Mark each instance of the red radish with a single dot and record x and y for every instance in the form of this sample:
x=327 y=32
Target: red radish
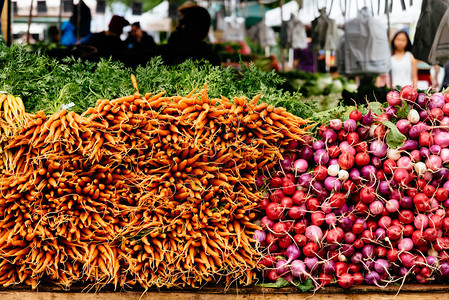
x=409 y=93
x=354 y=268
x=286 y=202
x=406 y=216
x=359 y=244
x=342 y=134
x=288 y=177
x=429 y=190
x=362 y=159
x=358 y=278
x=436 y=221
x=345 y=280
x=441 y=194
x=446 y=109
x=268 y=261
x=394 y=232
x=263 y=204
x=361 y=147
x=367 y=194
x=422 y=202
x=273 y=275
x=425 y=139
x=317 y=218
x=299 y=197
x=436 y=114
x=295 y=212
x=300 y=239
x=408 y=230
x=274 y=211
x=299 y=227
x=381 y=251
x=338 y=200
x=288 y=187
x=276 y=182
x=335 y=235
x=310 y=249
x=340 y=268
x=325 y=279
x=401 y=176
x=280 y=228
x=355 y=115
x=284 y=241
x=352 y=138
x=388 y=166
x=320 y=173
x=346 y=161
x=392 y=254
x=334 y=151
x=277 y=196
x=393 y=98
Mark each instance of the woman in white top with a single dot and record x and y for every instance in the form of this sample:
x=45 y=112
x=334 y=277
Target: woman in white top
x=403 y=65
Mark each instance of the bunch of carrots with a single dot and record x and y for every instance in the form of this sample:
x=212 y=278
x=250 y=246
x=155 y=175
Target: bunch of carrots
x=12 y=118
x=140 y=191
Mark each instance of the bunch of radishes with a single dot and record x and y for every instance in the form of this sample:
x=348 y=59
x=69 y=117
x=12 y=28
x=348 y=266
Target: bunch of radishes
x=348 y=208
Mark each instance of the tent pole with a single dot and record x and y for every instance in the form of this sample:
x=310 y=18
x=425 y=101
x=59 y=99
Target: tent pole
x=389 y=39
x=8 y=25
x=60 y=20
x=78 y=22
x=281 y=3
x=30 y=16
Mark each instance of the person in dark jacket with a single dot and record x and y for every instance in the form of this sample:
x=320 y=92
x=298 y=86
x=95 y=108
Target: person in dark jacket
x=138 y=40
x=71 y=35
x=187 y=41
x=109 y=43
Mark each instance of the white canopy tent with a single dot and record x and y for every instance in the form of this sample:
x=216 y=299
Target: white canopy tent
x=309 y=11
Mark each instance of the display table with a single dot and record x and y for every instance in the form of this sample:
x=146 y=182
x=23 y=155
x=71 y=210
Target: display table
x=408 y=292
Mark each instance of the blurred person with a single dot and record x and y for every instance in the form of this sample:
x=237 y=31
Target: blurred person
x=70 y=30
x=109 y=42
x=404 y=69
x=138 y=40
x=437 y=84
x=53 y=35
x=187 y=41
x=303 y=58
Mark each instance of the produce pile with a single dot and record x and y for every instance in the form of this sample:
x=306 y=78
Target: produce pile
x=47 y=84
x=364 y=203
x=140 y=191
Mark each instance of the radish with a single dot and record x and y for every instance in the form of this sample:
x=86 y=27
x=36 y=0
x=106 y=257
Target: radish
x=314 y=234
x=298 y=268
x=345 y=280
x=413 y=116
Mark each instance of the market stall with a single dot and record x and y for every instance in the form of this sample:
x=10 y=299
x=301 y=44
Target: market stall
x=196 y=180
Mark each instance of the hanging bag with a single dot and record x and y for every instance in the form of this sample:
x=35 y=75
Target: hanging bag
x=432 y=12
x=365 y=48
x=439 y=53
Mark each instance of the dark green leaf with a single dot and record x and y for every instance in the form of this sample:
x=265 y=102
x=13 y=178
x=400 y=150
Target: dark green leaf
x=403 y=111
x=304 y=286
x=280 y=283
x=395 y=138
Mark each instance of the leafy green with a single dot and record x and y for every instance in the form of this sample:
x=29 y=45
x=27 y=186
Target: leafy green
x=304 y=286
x=376 y=108
x=403 y=111
x=46 y=84
x=280 y=283
x=395 y=138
